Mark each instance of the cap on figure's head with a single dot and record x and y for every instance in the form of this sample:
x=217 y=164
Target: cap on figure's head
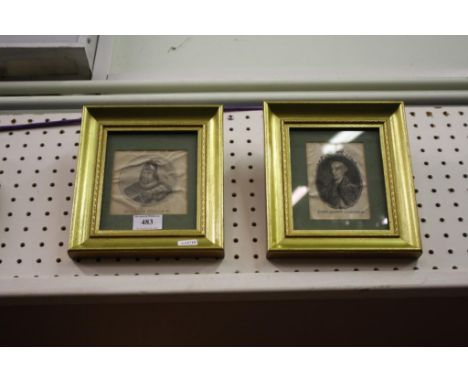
x=149 y=172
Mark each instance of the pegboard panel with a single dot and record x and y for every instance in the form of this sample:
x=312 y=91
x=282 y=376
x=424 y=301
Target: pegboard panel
x=37 y=171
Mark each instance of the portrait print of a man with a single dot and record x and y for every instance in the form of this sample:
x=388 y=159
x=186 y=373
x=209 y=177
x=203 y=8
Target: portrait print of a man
x=149 y=188
x=340 y=192
x=337 y=181
x=149 y=182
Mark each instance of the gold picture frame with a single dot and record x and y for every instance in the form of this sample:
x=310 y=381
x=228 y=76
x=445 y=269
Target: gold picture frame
x=339 y=180
x=157 y=165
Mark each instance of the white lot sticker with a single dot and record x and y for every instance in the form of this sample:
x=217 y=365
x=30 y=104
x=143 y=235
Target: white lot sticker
x=141 y=222
x=187 y=243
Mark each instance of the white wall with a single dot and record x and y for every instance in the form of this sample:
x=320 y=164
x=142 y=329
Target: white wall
x=286 y=59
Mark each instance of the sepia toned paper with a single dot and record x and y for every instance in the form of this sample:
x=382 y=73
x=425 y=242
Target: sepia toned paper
x=337 y=181
x=149 y=182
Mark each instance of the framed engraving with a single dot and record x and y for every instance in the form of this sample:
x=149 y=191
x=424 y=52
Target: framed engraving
x=339 y=180
x=149 y=182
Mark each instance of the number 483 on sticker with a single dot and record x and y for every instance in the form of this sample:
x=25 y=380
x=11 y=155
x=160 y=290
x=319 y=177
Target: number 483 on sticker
x=147 y=222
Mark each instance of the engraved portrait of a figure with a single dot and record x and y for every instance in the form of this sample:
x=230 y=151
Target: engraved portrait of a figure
x=149 y=182
x=149 y=188
x=338 y=182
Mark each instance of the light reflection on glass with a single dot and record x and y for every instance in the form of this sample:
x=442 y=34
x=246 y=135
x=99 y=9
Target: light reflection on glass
x=336 y=142
x=346 y=136
x=298 y=193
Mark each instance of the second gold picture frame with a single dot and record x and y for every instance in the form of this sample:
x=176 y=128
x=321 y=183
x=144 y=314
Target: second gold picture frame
x=339 y=180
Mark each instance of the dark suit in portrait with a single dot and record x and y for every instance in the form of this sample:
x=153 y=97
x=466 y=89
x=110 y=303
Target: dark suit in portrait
x=341 y=195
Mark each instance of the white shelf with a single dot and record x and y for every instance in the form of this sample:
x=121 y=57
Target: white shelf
x=46 y=159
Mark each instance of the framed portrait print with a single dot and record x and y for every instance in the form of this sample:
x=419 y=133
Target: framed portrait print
x=339 y=180
x=149 y=182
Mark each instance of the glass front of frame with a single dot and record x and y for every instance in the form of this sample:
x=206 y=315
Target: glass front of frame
x=150 y=173
x=337 y=179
